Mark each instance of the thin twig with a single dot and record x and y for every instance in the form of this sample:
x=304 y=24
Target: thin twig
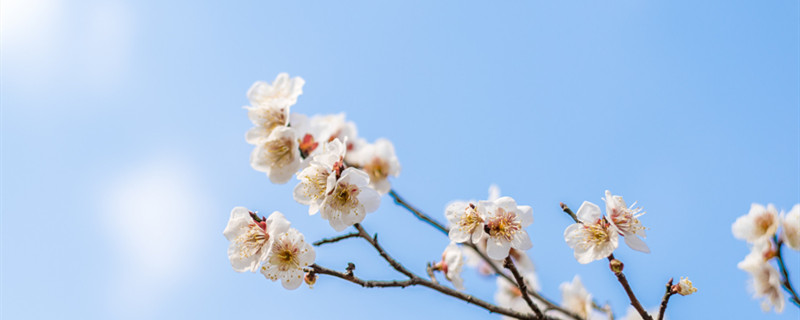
x=424 y=217
x=374 y=242
x=429 y=270
x=568 y=211
x=634 y=302
x=335 y=239
x=787 y=285
x=523 y=288
x=432 y=222
x=665 y=300
x=364 y=283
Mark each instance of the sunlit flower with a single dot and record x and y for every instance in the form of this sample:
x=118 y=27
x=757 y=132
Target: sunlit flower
x=575 y=298
x=349 y=200
x=759 y=223
x=625 y=219
x=465 y=221
x=594 y=238
x=283 y=88
x=251 y=239
x=509 y=296
x=790 y=234
x=451 y=265
x=505 y=224
x=766 y=281
x=278 y=156
x=379 y=161
x=319 y=178
x=288 y=256
x=684 y=287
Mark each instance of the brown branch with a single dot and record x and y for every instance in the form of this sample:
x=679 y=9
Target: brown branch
x=665 y=299
x=787 y=285
x=335 y=239
x=432 y=222
x=523 y=288
x=634 y=302
x=374 y=242
x=364 y=283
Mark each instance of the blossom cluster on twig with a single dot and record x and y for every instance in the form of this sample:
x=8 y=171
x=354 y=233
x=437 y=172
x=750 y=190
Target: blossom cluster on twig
x=342 y=177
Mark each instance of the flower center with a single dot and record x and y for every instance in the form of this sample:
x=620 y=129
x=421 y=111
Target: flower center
x=378 y=169
x=470 y=220
x=344 y=197
x=279 y=152
x=285 y=256
x=252 y=241
x=596 y=233
x=504 y=224
x=763 y=222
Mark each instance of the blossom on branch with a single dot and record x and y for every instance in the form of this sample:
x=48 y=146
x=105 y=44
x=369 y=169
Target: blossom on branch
x=349 y=200
x=277 y=156
x=685 y=287
x=759 y=223
x=593 y=238
x=319 y=178
x=451 y=265
x=251 y=237
x=379 y=161
x=766 y=281
x=283 y=88
x=466 y=222
x=575 y=298
x=288 y=256
x=504 y=224
x=625 y=220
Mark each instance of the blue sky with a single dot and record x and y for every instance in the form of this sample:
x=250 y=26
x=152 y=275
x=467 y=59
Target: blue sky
x=123 y=145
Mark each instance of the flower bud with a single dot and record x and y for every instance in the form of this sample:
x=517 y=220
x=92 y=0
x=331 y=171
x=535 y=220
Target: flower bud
x=684 y=287
x=616 y=266
x=310 y=279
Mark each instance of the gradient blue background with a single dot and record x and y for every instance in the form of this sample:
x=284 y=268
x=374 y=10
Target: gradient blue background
x=689 y=107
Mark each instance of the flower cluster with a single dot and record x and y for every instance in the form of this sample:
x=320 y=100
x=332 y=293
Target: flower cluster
x=595 y=236
x=766 y=231
x=268 y=241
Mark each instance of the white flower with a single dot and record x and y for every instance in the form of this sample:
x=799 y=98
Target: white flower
x=319 y=178
x=790 y=234
x=625 y=219
x=380 y=162
x=266 y=117
x=594 y=238
x=329 y=127
x=452 y=263
x=505 y=223
x=759 y=223
x=287 y=258
x=465 y=220
x=283 y=88
x=766 y=282
x=684 y=287
x=509 y=296
x=278 y=156
x=349 y=200
x=575 y=298
x=251 y=239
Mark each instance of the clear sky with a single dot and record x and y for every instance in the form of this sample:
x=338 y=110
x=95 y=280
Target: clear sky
x=123 y=145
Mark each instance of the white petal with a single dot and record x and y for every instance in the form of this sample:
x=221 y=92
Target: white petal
x=521 y=241
x=370 y=199
x=458 y=235
x=497 y=249
x=525 y=215
x=277 y=224
x=636 y=244
x=589 y=212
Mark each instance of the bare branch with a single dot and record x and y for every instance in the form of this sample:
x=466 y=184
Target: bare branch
x=665 y=300
x=335 y=239
x=634 y=302
x=523 y=288
x=568 y=211
x=424 y=217
x=374 y=242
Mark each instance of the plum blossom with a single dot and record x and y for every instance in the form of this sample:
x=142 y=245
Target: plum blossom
x=278 y=156
x=790 y=233
x=288 y=256
x=575 y=298
x=379 y=161
x=251 y=237
x=465 y=220
x=504 y=224
x=318 y=179
x=283 y=88
x=593 y=238
x=759 y=223
x=684 y=287
x=766 y=281
x=509 y=296
x=349 y=200
x=626 y=221
x=451 y=265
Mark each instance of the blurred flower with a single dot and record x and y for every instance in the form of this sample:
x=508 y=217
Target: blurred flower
x=625 y=219
x=250 y=238
x=283 y=88
x=759 y=223
x=509 y=296
x=278 y=156
x=790 y=234
x=594 y=238
x=766 y=281
x=451 y=265
x=379 y=161
x=575 y=298
x=287 y=258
